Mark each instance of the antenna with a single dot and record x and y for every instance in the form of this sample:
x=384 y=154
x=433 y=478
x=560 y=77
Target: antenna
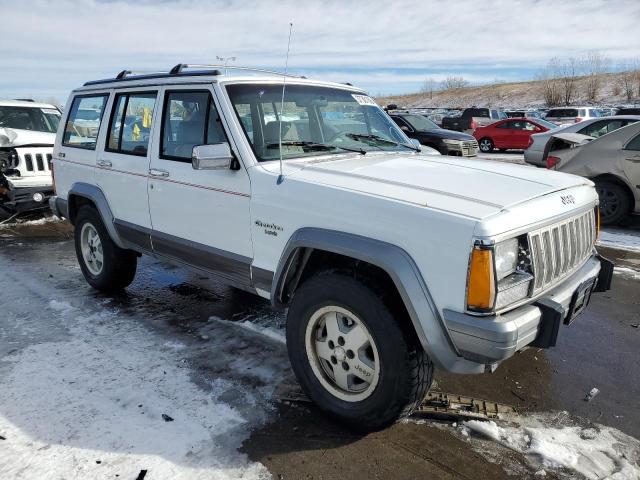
x=284 y=84
x=226 y=61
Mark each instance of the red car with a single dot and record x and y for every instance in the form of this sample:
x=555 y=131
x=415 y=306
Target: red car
x=511 y=133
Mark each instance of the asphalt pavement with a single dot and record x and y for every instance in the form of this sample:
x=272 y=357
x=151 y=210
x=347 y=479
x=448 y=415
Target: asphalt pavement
x=295 y=440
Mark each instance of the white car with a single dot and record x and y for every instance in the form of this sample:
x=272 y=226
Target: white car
x=563 y=115
x=27 y=132
x=535 y=154
x=390 y=261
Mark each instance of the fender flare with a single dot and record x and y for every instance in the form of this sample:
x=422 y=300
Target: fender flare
x=97 y=196
x=396 y=262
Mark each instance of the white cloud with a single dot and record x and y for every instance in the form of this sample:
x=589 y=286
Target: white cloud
x=50 y=47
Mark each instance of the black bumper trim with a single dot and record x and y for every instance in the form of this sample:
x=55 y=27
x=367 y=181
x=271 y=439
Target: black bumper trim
x=605 y=276
x=552 y=315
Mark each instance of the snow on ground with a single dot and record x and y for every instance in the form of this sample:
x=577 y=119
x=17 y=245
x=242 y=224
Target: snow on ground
x=38 y=221
x=627 y=272
x=273 y=333
x=561 y=445
x=92 y=406
x=620 y=239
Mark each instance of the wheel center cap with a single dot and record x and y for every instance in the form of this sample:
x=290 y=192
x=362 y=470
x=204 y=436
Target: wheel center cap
x=339 y=353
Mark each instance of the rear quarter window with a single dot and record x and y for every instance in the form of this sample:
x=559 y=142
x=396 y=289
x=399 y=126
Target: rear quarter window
x=81 y=129
x=563 y=112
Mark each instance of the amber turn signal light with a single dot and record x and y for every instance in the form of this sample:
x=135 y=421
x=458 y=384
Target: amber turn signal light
x=481 y=289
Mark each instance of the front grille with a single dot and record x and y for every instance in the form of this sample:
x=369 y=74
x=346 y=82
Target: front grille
x=34 y=163
x=558 y=249
x=469 y=148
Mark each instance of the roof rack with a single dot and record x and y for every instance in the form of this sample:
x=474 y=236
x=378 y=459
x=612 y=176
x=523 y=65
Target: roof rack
x=203 y=69
x=178 y=69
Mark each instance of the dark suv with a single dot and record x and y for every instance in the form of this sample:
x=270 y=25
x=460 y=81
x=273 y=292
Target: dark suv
x=447 y=142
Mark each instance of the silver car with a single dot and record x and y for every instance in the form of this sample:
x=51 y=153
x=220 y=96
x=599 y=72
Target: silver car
x=611 y=161
x=595 y=127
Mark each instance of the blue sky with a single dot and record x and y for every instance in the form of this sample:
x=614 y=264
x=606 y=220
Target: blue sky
x=47 y=48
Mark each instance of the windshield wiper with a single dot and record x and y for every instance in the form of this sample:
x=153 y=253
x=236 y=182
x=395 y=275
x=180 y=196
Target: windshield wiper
x=379 y=139
x=313 y=146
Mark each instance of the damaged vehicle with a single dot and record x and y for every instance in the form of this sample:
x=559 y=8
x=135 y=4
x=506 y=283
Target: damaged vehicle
x=388 y=261
x=27 y=133
x=611 y=161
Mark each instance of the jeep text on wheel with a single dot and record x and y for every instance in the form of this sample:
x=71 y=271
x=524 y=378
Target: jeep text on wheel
x=390 y=261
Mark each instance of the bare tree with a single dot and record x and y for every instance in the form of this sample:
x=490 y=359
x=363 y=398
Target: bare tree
x=550 y=83
x=594 y=65
x=454 y=83
x=429 y=86
x=567 y=71
x=627 y=79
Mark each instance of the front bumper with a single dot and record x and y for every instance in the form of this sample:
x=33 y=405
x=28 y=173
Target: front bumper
x=21 y=199
x=489 y=340
x=463 y=148
x=59 y=207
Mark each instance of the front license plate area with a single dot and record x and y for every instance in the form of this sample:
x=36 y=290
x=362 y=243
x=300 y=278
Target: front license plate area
x=580 y=300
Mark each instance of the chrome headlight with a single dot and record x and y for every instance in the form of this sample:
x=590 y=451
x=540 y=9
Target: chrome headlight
x=497 y=278
x=506 y=258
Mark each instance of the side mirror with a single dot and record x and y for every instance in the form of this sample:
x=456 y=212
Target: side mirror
x=216 y=156
x=404 y=128
x=416 y=143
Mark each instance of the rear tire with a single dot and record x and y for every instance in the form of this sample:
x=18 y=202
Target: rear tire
x=615 y=204
x=373 y=372
x=105 y=266
x=486 y=145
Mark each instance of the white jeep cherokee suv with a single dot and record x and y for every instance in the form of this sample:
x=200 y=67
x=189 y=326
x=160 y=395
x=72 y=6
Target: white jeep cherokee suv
x=389 y=261
x=27 y=133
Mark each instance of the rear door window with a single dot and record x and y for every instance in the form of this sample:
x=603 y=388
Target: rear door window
x=190 y=118
x=131 y=121
x=634 y=144
x=80 y=131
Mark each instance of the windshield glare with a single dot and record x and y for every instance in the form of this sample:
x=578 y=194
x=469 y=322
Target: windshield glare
x=312 y=117
x=30 y=118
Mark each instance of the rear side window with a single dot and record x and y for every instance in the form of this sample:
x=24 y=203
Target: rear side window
x=597 y=129
x=190 y=118
x=83 y=122
x=563 y=112
x=634 y=144
x=131 y=119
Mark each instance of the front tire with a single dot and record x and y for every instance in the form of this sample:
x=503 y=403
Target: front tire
x=105 y=266
x=486 y=145
x=614 y=202
x=356 y=360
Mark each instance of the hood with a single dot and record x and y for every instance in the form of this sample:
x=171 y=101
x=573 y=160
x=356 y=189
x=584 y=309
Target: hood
x=473 y=188
x=444 y=133
x=13 y=137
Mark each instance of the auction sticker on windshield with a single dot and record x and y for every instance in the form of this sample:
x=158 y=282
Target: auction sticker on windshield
x=364 y=100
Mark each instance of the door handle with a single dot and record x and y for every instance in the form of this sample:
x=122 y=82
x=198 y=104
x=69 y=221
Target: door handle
x=154 y=172
x=635 y=159
x=104 y=163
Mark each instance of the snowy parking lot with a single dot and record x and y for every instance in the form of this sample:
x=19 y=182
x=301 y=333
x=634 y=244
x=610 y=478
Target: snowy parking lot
x=172 y=380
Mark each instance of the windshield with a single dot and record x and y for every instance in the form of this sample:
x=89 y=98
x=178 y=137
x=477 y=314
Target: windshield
x=546 y=123
x=420 y=123
x=315 y=121
x=30 y=118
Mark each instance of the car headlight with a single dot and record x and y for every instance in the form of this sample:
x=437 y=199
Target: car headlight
x=506 y=258
x=495 y=278
x=450 y=141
